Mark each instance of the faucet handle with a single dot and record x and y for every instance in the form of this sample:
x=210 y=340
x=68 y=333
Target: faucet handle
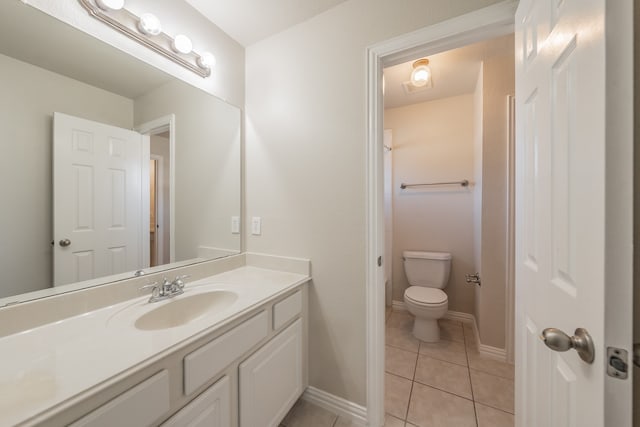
x=153 y=286
x=179 y=280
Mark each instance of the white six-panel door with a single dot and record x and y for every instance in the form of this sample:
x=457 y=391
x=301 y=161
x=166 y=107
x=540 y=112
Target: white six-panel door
x=97 y=199
x=561 y=206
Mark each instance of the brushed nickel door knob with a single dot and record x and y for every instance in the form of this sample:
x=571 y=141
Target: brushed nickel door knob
x=65 y=242
x=581 y=341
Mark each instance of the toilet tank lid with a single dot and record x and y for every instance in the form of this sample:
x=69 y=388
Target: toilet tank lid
x=426 y=255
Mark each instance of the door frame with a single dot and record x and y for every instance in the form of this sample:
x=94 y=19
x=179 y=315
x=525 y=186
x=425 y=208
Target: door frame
x=152 y=127
x=159 y=206
x=482 y=24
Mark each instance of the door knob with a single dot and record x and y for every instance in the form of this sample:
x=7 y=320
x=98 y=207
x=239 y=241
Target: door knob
x=582 y=342
x=65 y=242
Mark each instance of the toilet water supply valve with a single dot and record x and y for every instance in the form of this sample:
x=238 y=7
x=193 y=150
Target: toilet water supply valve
x=473 y=278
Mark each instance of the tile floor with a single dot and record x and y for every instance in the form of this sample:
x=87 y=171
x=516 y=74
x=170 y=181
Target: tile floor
x=446 y=384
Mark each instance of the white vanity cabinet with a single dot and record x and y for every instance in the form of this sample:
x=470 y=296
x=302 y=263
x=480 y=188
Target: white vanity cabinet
x=211 y=409
x=271 y=380
x=247 y=373
x=140 y=406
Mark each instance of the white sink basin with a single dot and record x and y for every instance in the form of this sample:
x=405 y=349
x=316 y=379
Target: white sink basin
x=184 y=309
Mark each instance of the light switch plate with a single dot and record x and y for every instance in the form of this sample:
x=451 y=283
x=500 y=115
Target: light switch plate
x=256 y=226
x=235 y=224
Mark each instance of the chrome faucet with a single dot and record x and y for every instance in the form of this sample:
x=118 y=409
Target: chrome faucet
x=166 y=289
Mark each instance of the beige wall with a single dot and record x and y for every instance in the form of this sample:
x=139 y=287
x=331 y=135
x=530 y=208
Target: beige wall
x=433 y=142
x=498 y=81
x=207 y=165
x=305 y=164
x=30 y=96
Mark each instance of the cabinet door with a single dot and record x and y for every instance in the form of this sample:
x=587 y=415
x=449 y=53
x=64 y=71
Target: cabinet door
x=211 y=409
x=271 y=379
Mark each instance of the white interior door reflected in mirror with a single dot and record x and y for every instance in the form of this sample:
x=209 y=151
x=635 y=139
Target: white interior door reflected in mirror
x=97 y=200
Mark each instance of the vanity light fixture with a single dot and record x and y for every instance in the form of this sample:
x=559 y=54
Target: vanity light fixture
x=149 y=24
x=421 y=74
x=207 y=60
x=146 y=30
x=110 y=4
x=182 y=44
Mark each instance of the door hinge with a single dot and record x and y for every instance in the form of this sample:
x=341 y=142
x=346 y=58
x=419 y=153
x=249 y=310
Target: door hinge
x=380 y=261
x=617 y=363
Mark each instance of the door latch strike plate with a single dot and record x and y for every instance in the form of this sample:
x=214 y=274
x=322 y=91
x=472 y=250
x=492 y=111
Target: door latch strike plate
x=617 y=363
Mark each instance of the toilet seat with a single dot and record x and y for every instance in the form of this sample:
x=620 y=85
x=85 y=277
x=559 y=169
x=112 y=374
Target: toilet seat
x=421 y=295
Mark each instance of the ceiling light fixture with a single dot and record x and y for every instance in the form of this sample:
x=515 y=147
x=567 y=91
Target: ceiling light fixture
x=421 y=74
x=146 y=30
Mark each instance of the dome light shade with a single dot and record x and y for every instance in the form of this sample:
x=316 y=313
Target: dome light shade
x=149 y=24
x=207 y=60
x=421 y=73
x=110 y=4
x=182 y=44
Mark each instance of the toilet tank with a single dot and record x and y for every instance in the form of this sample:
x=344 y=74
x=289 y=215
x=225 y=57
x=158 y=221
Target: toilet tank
x=429 y=269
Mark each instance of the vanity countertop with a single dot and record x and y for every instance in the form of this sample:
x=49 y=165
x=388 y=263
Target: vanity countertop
x=50 y=365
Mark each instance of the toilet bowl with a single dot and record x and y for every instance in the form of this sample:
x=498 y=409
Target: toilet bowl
x=428 y=274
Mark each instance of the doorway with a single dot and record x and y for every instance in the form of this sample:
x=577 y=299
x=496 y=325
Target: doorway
x=158 y=192
x=497 y=21
x=449 y=196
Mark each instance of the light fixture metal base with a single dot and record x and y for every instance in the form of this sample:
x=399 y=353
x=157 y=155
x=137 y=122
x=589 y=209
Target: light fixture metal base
x=126 y=23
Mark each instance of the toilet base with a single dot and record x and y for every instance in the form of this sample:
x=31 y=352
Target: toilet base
x=426 y=330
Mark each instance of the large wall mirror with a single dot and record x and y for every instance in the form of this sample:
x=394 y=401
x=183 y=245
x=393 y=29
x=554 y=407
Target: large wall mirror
x=109 y=165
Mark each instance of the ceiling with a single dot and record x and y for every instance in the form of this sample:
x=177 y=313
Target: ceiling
x=249 y=21
x=51 y=44
x=455 y=72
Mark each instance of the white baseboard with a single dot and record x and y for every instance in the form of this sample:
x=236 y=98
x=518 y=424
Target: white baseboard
x=499 y=354
x=398 y=306
x=339 y=406
x=461 y=317
x=496 y=353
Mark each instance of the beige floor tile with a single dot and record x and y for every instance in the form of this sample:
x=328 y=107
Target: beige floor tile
x=397 y=391
x=305 y=414
x=400 y=362
x=444 y=376
x=450 y=351
x=469 y=336
x=450 y=331
x=391 y=421
x=489 y=417
x=493 y=391
x=434 y=408
x=400 y=320
x=490 y=366
x=401 y=338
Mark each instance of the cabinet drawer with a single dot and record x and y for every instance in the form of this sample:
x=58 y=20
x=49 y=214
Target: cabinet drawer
x=287 y=309
x=209 y=360
x=271 y=379
x=139 y=406
x=211 y=409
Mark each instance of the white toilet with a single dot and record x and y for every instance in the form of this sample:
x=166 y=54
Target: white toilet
x=428 y=274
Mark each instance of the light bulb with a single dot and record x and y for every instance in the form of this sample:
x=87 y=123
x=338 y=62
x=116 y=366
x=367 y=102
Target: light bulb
x=110 y=4
x=182 y=44
x=420 y=76
x=149 y=24
x=207 y=60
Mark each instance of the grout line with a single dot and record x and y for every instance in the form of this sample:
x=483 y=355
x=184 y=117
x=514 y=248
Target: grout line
x=473 y=398
x=413 y=380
